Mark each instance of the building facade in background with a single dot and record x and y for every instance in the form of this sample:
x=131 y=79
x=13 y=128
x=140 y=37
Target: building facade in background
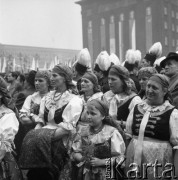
x=22 y=58
x=118 y=25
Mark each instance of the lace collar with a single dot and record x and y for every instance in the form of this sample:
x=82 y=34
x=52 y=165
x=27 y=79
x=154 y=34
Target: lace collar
x=160 y=108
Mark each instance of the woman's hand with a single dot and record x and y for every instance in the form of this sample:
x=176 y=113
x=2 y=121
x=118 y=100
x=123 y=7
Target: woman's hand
x=95 y=162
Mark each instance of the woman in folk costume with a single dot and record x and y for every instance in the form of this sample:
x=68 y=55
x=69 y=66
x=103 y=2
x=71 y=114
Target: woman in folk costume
x=143 y=76
x=97 y=145
x=45 y=149
x=132 y=60
x=8 y=128
x=120 y=99
x=154 y=53
x=101 y=70
x=81 y=66
x=28 y=114
x=30 y=109
x=153 y=127
x=90 y=90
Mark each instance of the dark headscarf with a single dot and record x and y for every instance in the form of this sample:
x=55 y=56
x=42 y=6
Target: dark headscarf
x=92 y=77
x=119 y=71
x=104 y=110
x=160 y=79
x=100 y=105
x=65 y=72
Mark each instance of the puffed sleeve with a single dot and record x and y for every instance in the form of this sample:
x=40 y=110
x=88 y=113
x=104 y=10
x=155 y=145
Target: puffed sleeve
x=129 y=122
x=8 y=129
x=25 y=111
x=117 y=144
x=173 y=123
x=71 y=113
x=136 y=100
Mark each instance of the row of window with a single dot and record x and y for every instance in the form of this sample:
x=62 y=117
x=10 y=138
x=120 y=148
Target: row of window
x=174 y=42
x=173 y=13
x=173 y=27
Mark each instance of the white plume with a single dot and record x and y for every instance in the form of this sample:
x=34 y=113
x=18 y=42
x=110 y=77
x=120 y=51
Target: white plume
x=84 y=58
x=132 y=56
x=156 y=49
x=114 y=59
x=103 y=61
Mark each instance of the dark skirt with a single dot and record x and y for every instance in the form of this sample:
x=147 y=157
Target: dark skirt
x=39 y=150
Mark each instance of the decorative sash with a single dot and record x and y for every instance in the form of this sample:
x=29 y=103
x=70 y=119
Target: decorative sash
x=139 y=144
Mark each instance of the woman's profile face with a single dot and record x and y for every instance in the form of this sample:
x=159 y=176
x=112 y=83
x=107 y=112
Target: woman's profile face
x=41 y=84
x=155 y=92
x=86 y=85
x=57 y=80
x=115 y=84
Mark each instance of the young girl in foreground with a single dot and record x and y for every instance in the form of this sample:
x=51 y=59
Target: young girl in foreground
x=98 y=142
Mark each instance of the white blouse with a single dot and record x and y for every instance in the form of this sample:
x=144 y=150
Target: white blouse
x=173 y=123
x=115 y=100
x=26 y=108
x=117 y=142
x=8 y=128
x=71 y=113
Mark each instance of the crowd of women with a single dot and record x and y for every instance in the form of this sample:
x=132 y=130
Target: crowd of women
x=113 y=122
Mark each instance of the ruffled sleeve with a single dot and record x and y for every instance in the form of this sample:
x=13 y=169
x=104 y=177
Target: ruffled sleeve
x=8 y=129
x=136 y=100
x=71 y=113
x=174 y=128
x=117 y=144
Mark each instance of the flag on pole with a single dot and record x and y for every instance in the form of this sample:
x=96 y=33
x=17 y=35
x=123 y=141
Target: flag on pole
x=51 y=65
x=13 y=67
x=37 y=65
x=55 y=60
x=33 y=65
x=4 y=66
x=45 y=66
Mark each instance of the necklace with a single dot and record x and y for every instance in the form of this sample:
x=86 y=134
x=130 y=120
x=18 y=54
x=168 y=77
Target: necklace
x=96 y=131
x=57 y=96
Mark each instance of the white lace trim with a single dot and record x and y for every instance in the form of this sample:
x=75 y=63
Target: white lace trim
x=163 y=107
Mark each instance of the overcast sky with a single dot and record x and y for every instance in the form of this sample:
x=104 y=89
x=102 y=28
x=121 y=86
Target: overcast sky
x=42 y=23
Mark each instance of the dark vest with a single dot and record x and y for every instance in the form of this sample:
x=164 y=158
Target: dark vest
x=123 y=110
x=57 y=115
x=157 y=126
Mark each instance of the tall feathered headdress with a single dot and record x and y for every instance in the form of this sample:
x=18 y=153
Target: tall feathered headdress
x=114 y=59
x=83 y=61
x=132 y=59
x=154 y=53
